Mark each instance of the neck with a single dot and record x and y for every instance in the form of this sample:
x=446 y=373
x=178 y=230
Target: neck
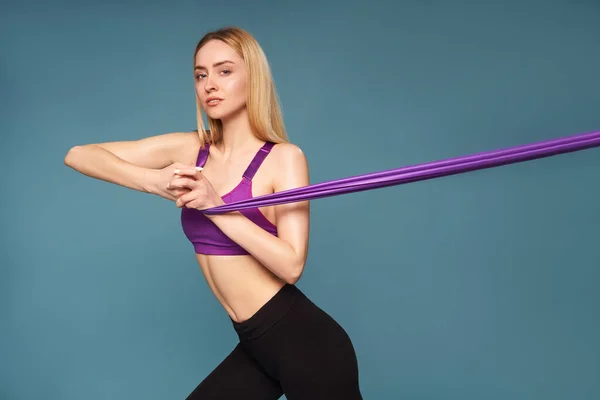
x=237 y=133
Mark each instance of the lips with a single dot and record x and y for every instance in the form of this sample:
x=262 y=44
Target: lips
x=213 y=101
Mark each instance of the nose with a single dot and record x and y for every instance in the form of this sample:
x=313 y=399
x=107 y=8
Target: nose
x=209 y=84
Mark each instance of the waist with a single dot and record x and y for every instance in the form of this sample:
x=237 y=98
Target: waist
x=241 y=284
x=275 y=309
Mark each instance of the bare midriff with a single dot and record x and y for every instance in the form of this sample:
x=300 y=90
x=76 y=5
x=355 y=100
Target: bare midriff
x=240 y=283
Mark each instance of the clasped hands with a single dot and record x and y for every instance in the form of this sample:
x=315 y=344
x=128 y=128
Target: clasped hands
x=193 y=189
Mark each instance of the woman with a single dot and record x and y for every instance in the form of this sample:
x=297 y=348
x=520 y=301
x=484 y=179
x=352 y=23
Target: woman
x=251 y=259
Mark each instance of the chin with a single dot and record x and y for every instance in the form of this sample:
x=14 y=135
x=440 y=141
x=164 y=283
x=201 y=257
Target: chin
x=218 y=115
x=222 y=114
x=214 y=114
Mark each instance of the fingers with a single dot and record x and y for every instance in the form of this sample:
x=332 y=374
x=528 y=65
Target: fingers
x=188 y=177
x=188 y=171
x=181 y=183
x=184 y=199
x=178 y=193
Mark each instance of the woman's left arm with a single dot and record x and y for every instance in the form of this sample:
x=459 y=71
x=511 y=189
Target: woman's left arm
x=284 y=254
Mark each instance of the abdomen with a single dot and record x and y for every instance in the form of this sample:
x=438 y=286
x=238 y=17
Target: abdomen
x=240 y=283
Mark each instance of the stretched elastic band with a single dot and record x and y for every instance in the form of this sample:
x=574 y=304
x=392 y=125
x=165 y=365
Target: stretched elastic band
x=419 y=172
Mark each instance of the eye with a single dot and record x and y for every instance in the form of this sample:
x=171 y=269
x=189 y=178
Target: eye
x=225 y=71
x=198 y=76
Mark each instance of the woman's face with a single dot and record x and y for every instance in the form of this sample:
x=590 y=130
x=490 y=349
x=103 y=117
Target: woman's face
x=220 y=80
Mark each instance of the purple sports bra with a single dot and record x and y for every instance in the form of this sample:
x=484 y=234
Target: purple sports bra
x=204 y=235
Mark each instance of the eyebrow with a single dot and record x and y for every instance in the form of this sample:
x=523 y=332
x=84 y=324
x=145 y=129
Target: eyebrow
x=215 y=64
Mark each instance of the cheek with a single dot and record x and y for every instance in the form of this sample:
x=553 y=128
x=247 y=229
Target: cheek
x=236 y=88
x=199 y=91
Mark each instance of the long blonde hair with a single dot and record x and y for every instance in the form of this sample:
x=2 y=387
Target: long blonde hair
x=262 y=102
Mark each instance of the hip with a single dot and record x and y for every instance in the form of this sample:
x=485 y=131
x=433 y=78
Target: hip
x=290 y=330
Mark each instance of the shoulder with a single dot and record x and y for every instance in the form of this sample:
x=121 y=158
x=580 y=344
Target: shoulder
x=288 y=152
x=288 y=155
x=290 y=166
x=191 y=138
x=175 y=140
x=186 y=146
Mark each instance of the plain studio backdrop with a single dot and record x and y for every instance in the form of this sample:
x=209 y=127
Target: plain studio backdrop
x=481 y=285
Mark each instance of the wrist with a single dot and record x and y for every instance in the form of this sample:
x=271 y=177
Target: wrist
x=148 y=180
x=218 y=201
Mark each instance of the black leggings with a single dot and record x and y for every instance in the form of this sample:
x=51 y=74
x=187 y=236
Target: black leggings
x=289 y=346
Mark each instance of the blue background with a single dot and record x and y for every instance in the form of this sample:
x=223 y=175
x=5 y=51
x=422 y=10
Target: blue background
x=476 y=286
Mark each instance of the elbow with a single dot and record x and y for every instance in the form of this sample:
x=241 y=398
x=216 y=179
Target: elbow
x=72 y=155
x=292 y=279
x=293 y=275
x=75 y=156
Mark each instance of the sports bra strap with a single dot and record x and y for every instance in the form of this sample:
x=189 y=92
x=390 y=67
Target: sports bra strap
x=203 y=156
x=257 y=160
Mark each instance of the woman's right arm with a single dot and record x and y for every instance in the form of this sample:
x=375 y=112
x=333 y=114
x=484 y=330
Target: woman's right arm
x=145 y=165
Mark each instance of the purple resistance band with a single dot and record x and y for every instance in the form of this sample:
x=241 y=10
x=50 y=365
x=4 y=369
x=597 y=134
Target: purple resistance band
x=418 y=172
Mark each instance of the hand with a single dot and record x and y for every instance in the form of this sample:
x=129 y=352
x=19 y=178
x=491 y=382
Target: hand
x=160 y=179
x=201 y=193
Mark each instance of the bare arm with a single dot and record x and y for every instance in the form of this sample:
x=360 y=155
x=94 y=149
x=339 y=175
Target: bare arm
x=285 y=255
x=135 y=164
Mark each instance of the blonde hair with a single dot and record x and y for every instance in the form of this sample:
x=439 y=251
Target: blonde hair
x=264 y=112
